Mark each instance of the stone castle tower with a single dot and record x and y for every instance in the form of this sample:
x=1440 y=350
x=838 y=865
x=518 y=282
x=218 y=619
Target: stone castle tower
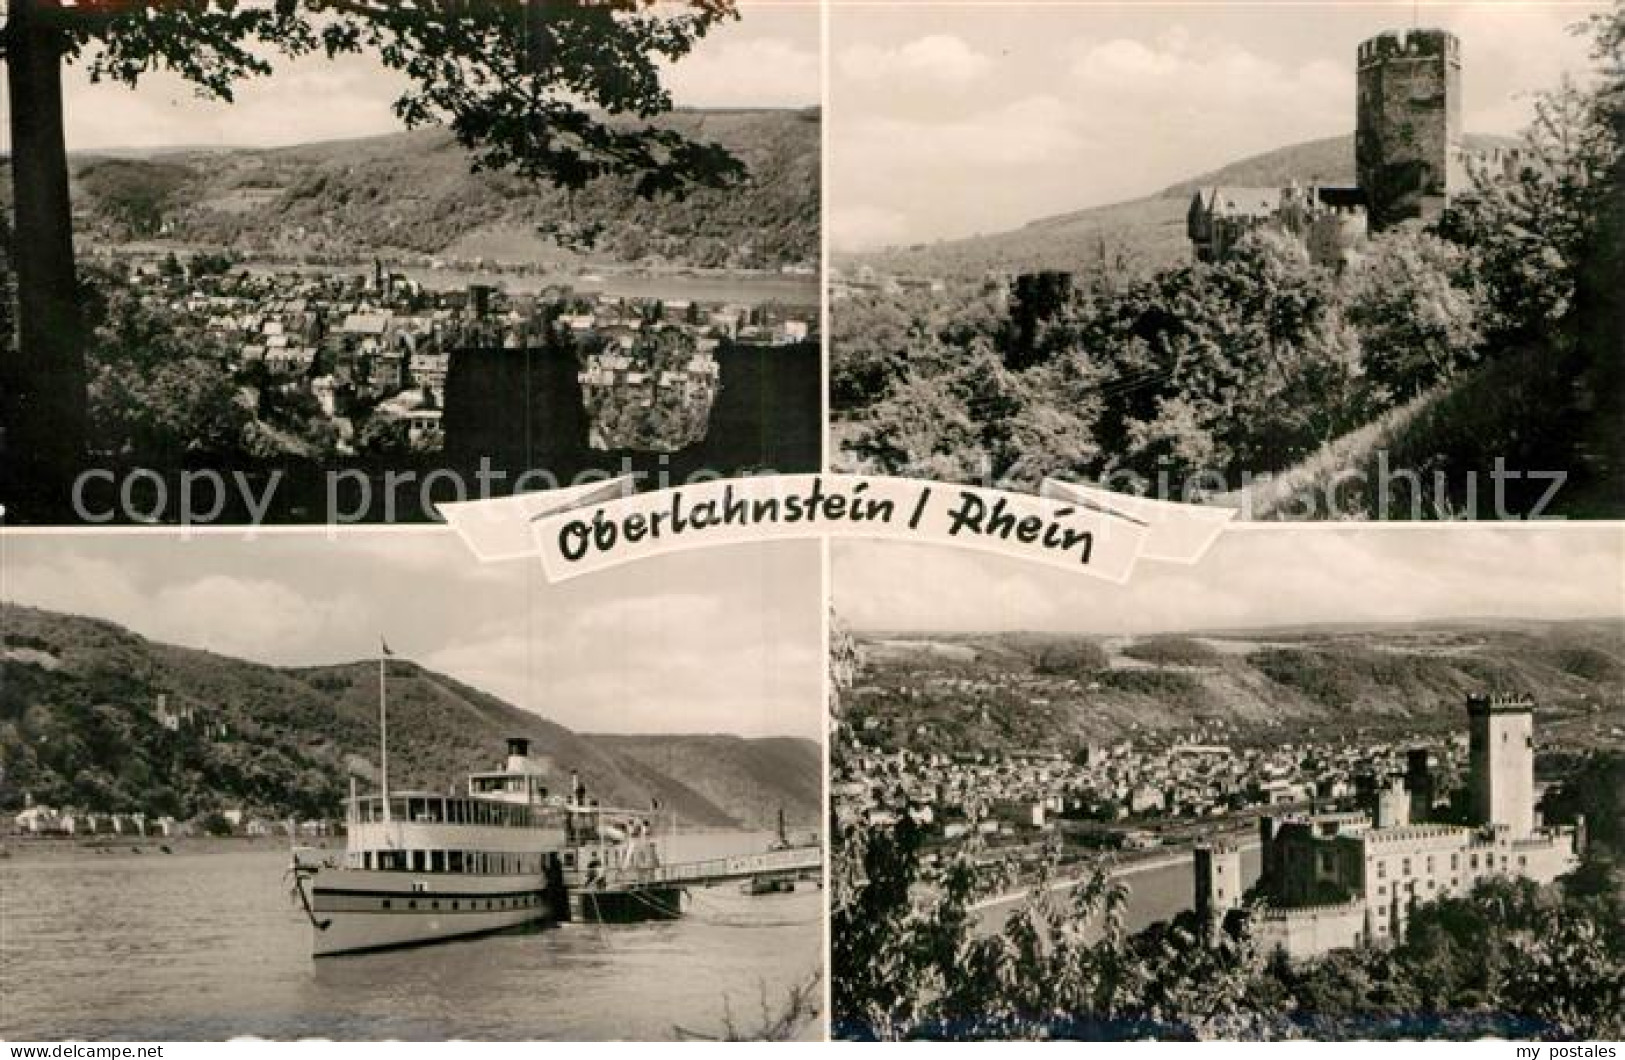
x=1501 y=761
x=1407 y=138
x=1219 y=883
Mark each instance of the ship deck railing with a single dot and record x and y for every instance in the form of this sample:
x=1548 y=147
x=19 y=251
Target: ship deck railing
x=708 y=871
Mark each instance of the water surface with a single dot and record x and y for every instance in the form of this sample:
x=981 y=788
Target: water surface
x=208 y=944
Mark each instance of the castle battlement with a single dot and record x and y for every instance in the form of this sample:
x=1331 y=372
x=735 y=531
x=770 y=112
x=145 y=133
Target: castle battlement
x=1410 y=44
x=1311 y=912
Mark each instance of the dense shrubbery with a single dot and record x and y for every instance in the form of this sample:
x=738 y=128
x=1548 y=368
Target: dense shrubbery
x=134 y=195
x=1077 y=659
x=158 y=390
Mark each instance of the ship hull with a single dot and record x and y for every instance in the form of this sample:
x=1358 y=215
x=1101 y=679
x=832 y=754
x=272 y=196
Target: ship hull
x=360 y=911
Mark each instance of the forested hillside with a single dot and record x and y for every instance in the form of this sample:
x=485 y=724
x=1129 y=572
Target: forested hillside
x=79 y=726
x=1478 y=355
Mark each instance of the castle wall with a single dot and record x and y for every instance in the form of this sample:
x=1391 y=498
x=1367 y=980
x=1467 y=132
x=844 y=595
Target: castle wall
x=1410 y=865
x=1500 y=751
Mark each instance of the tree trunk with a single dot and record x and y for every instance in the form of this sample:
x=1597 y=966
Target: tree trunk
x=42 y=390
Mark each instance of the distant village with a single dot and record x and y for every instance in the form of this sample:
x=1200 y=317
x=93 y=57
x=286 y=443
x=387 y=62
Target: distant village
x=367 y=353
x=1438 y=812
x=867 y=280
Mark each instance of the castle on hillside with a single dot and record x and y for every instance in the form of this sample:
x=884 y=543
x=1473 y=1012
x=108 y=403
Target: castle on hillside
x=1344 y=879
x=1410 y=161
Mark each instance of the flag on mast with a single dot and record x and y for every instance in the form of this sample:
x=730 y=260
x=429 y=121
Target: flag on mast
x=383 y=724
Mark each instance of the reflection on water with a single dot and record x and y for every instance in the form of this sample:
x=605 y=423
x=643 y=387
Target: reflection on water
x=209 y=945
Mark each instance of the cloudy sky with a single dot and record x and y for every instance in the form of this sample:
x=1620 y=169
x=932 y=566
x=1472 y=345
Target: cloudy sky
x=725 y=640
x=951 y=119
x=1253 y=577
x=768 y=57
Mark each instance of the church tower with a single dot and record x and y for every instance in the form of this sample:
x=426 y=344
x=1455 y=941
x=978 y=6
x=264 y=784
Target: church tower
x=1407 y=136
x=1501 y=761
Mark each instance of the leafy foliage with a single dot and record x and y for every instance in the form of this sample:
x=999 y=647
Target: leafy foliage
x=1203 y=369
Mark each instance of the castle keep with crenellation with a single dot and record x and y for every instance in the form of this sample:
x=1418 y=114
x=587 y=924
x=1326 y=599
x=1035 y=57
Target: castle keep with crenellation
x=1338 y=880
x=1410 y=161
x=1407 y=132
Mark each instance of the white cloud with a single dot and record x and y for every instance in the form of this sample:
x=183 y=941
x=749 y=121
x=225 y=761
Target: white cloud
x=242 y=616
x=854 y=226
x=1510 y=53
x=1180 y=90
x=74 y=584
x=305 y=100
x=1031 y=131
x=1095 y=120
x=972 y=164
x=754 y=62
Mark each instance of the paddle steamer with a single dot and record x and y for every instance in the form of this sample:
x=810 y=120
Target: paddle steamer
x=420 y=867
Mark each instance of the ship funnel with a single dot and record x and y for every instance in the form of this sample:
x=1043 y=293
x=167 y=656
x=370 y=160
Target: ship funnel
x=518 y=754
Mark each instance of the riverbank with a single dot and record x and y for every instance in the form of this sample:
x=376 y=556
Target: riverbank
x=1160 y=887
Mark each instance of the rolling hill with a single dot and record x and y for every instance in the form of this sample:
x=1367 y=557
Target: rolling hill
x=948 y=692
x=1150 y=232
x=756 y=775
x=412 y=193
x=78 y=698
